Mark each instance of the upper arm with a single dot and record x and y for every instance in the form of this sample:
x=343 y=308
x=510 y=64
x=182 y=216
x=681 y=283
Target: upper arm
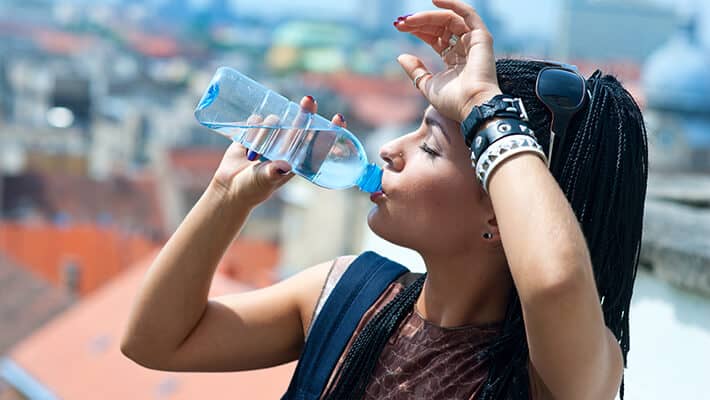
x=571 y=349
x=251 y=330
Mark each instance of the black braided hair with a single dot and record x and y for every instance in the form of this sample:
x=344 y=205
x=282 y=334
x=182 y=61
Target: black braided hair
x=355 y=371
x=603 y=176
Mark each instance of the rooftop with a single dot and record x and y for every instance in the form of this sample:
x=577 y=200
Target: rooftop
x=26 y=302
x=77 y=355
x=47 y=250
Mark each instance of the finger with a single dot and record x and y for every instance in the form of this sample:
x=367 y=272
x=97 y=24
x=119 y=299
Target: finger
x=309 y=104
x=262 y=136
x=237 y=149
x=444 y=38
x=413 y=67
x=286 y=139
x=447 y=18
x=339 y=120
x=250 y=133
x=431 y=40
x=272 y=174
x=435 y=30
x=469 y=15
x=277 y=169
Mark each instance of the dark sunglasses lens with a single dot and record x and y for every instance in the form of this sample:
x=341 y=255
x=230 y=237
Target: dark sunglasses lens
x=560 y=89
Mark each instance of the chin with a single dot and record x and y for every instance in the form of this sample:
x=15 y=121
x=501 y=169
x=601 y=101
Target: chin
x=388 y=229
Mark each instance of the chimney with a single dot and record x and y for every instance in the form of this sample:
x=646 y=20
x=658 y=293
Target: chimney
x=71 y=275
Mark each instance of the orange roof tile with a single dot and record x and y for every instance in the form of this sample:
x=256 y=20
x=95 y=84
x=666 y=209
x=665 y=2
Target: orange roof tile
x=129 y=202
x=26 y=303
x=153 y=45
x=374 y=100
x=251 y=262
x=100 y=252
x=58 y=42
x=193 y=167
x=77 y=355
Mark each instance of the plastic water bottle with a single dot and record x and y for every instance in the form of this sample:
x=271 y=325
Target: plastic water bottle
x=266 y=122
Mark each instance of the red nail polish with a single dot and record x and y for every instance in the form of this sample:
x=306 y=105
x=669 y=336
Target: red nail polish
x=395 y=23
x=311 y=98
x=341 y=117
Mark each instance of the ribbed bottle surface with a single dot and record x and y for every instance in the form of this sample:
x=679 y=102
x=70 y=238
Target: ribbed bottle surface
x=268 y=123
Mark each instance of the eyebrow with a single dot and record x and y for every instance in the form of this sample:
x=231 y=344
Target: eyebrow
x=432 y=122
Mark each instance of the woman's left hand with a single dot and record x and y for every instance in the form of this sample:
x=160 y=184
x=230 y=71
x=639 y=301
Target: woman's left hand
x=470 y=75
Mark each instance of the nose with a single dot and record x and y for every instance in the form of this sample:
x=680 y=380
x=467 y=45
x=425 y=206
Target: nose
x=393 y=157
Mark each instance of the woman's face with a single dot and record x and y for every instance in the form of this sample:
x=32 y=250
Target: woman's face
x=432 y=201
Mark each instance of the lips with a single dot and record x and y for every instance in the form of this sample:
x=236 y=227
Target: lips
x=377 y=195
x=380 y=194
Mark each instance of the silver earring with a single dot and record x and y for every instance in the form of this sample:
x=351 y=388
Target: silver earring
x=488 y=236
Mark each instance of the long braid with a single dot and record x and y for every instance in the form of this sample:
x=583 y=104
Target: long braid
x=603 y=175
x=354 y=373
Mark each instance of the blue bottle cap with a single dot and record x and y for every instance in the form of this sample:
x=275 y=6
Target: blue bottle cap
x=371 y=179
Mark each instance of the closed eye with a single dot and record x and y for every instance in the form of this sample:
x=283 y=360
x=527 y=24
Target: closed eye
x=431 y=152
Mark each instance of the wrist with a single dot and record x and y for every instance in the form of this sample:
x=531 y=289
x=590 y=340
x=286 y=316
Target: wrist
x=477 y=100
x=225 y=195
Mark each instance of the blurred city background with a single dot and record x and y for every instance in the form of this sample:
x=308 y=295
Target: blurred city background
x=101 y=158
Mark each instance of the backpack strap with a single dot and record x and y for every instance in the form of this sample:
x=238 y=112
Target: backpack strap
x=360 y=286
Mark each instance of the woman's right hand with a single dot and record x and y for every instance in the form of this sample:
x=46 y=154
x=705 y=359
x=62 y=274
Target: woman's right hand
x=253 y=182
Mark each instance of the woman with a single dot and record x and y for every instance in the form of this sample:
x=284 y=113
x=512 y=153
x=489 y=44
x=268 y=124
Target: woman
x=529 y=270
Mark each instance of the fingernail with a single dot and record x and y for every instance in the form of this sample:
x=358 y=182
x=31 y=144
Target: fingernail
x=341 y=117
x=282 y=172
x=251 y=156
x=311 y=98
x=395 y=22
x=403 y=17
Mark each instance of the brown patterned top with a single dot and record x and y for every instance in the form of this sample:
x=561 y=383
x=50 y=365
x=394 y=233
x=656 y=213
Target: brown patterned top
x=421 y=360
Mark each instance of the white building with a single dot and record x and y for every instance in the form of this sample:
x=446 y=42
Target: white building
x=611 y=29
x=676 y=81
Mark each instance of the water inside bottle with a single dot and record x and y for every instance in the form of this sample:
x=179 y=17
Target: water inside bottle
x=323 y=156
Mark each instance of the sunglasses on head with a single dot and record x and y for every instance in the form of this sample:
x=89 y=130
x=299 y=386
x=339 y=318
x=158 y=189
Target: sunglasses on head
x=563 y=91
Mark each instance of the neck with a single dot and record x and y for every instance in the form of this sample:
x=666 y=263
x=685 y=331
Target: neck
x=465 y=289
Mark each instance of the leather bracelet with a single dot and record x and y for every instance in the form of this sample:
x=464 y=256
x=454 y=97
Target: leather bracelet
x=499 y=106
x=495 y=131
x=503 y=149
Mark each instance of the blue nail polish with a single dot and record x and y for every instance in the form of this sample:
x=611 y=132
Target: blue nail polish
x=252 y=155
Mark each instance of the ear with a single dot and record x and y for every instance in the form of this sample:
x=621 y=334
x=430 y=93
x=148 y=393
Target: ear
x=492 y=227
x=491 y=224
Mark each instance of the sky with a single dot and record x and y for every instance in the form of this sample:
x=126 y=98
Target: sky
x=541 y=15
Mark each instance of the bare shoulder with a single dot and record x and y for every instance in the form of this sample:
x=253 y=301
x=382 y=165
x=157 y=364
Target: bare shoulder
x=314 y=281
